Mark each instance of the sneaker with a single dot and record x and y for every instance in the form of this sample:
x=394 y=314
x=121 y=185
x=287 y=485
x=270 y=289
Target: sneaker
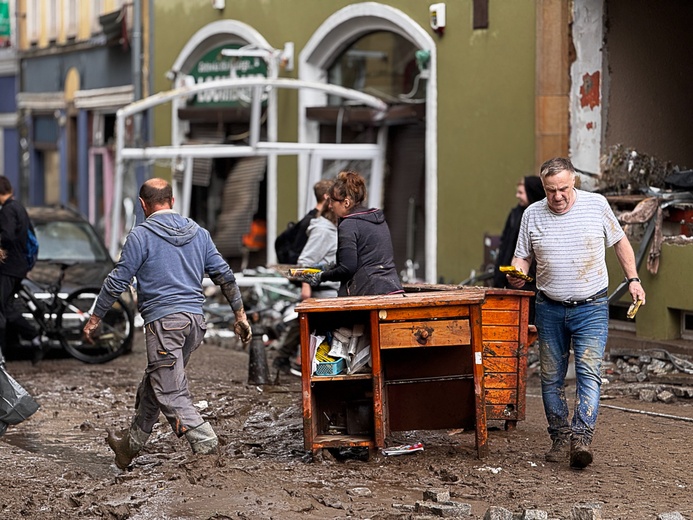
x=580 y=454
x=295 y=368
x=560 y=450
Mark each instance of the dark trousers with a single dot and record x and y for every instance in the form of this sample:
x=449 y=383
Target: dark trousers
x=10 y=315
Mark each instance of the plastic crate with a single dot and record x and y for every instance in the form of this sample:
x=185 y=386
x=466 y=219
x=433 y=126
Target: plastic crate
x=330 y=368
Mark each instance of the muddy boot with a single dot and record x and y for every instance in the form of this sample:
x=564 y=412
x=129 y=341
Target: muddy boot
x=580 y=454
x=202 y=439
x=559 y=451
x=127 y=444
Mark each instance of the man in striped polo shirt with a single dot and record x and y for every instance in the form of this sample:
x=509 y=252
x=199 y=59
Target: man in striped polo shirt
x=568 y=233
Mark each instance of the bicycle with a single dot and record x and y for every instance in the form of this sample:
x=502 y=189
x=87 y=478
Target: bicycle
x=60 y=319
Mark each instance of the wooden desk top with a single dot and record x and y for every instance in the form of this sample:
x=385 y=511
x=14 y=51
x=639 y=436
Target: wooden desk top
x=458 y=296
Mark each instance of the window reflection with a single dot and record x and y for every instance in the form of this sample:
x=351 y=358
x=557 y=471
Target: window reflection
x=382 y=64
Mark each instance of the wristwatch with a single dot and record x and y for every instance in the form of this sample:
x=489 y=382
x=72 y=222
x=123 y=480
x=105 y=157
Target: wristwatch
x=635 y=279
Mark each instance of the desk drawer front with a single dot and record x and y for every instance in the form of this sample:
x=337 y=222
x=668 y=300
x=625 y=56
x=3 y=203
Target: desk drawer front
x=411 y=334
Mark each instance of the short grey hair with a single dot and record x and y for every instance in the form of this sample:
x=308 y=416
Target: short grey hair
x=555 y=166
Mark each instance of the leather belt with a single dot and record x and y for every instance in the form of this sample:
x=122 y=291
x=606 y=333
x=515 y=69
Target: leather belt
x=574 y=303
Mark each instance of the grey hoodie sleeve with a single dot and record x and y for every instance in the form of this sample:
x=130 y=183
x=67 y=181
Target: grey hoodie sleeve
x=221 y=274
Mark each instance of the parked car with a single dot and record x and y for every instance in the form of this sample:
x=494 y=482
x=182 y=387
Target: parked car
x=66 y=237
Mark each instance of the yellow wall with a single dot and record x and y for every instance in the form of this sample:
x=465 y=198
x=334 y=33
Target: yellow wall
x=87 y=24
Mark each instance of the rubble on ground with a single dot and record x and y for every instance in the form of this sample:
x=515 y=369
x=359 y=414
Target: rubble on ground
x=649 y=376
x=437 y=503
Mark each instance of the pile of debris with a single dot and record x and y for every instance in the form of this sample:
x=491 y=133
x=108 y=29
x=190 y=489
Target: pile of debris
x=654 y=375
x=625 y=170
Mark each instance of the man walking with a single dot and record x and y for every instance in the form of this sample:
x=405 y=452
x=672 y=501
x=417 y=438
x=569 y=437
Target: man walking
x=567 y=234
x=169 y=255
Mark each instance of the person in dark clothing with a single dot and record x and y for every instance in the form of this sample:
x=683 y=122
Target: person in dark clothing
x=290 y=243
x=365 y=259
x=14 y=226
x=529 y=190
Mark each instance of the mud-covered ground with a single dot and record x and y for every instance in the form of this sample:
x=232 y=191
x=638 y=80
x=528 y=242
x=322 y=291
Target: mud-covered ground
x=56 y=465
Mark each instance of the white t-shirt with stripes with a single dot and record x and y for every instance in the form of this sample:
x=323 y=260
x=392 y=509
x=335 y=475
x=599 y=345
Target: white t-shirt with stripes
x=570 y=248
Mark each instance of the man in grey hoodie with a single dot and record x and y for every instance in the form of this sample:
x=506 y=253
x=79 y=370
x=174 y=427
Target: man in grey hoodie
x=169 y=255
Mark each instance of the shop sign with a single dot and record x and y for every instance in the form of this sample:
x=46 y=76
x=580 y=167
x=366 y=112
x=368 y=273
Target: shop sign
x=5 y=28
x=213 y=66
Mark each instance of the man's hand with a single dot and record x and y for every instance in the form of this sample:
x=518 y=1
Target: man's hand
x=243 y=330
x=637 y=292
x=90 y=328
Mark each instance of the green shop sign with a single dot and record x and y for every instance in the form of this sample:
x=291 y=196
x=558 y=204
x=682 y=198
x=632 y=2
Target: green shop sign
x=5 y=30
x=213 y=66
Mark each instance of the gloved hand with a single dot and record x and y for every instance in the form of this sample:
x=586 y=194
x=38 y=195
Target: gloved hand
x=313 y=279
x=243 y=330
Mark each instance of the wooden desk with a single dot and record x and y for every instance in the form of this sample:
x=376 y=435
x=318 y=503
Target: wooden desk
x=507 y=336
x=427 y=369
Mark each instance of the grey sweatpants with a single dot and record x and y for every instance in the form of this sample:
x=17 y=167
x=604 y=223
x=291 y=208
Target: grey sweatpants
x=164 y=388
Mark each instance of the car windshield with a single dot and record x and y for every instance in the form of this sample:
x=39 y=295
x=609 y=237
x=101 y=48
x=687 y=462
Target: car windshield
x=64 y=241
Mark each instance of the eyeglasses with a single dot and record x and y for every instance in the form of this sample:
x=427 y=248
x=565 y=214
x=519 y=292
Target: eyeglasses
x=337 y=200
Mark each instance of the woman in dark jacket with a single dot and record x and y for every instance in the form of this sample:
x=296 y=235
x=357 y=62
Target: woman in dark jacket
x=365 y=260
x=529 y=191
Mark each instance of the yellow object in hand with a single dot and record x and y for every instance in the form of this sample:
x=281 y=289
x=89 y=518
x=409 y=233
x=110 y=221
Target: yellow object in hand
x=633 y=309
x=514 y=271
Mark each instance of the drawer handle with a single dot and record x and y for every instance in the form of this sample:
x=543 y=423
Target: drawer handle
x=422 y=335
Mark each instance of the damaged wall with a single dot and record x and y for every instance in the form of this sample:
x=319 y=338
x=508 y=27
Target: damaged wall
x=586 y=88
x=648 y=50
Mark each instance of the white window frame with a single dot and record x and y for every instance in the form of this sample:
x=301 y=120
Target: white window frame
x=33 y=20
x=686 y=332
x=53 y=15
x=71 y=18
x=97 y=9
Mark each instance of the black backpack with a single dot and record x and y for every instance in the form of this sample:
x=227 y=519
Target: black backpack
x=289 y=244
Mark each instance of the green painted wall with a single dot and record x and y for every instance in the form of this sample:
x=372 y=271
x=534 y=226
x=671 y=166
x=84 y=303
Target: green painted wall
x=485 y=99
x=668 y=291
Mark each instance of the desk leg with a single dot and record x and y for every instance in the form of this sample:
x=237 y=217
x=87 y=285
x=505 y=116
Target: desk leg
x=479 y=393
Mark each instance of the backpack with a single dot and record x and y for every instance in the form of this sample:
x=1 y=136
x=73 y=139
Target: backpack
x=289 y=244
x=283 y=243
x=32 y=248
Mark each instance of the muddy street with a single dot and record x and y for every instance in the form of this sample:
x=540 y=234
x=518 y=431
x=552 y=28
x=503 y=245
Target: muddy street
x=56 y=465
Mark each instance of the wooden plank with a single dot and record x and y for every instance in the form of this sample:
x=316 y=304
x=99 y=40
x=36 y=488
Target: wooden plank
x=503 y=397
x=424 y=334
x=470 y=295
x=501 y=302
x=501 y=349
x=499 y=364
x=423 y=313
x=493 y=317
x=500 y=333
x=500 y=412
x=499 y=380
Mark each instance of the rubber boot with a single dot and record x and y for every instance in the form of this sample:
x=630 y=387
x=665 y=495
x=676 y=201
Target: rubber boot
x=202 y=439
x=127 y=444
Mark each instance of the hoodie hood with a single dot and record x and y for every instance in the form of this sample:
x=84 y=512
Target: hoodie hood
x=534 y=189
x=373 y=215
x=172 y=227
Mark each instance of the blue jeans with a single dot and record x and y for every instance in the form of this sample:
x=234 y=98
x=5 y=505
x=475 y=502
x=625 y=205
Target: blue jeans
x=586 y=328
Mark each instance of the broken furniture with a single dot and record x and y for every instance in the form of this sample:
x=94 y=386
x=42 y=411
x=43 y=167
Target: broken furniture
x=506 y=336
x=426 y=368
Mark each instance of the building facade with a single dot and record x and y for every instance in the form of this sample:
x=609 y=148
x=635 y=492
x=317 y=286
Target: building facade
x=76 y=70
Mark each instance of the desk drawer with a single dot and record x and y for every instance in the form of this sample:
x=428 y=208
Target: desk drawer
x=428 y=333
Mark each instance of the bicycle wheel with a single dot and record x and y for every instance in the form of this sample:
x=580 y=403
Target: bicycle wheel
x=113 y=338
